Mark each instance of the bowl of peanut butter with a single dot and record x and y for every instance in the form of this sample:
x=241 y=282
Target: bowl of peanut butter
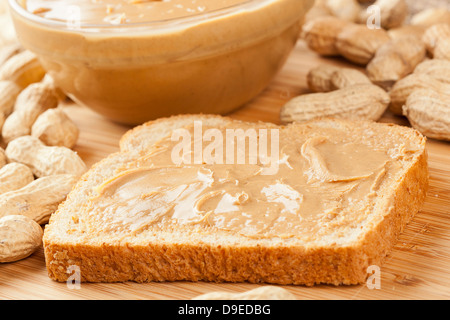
x=137 y=60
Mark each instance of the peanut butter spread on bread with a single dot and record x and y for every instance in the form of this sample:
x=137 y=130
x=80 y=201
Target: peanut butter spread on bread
x=288 y=184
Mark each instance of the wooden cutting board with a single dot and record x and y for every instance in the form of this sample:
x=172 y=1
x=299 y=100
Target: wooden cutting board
x=417 y=268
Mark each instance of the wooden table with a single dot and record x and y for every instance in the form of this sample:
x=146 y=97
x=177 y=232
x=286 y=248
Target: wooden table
x=417 y=268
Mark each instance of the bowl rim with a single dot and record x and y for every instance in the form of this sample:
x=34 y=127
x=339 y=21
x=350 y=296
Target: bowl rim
x=159 y=24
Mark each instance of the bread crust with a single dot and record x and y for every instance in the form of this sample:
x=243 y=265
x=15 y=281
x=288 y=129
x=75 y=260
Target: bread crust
x=277 y=264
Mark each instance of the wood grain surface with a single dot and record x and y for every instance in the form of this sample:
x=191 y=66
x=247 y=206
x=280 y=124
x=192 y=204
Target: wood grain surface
x=417 y=268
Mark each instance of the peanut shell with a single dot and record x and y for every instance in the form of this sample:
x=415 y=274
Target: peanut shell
x=364 y=101
x=19 y=237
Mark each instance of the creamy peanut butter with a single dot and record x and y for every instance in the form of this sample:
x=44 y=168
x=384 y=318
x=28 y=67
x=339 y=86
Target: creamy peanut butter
x=123 y=11
x=326 y=177
x=134 y=60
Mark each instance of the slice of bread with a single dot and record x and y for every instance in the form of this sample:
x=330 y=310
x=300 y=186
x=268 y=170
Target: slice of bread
x=330 y=248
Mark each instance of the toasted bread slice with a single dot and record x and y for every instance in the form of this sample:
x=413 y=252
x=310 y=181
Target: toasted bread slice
x=359 y=225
